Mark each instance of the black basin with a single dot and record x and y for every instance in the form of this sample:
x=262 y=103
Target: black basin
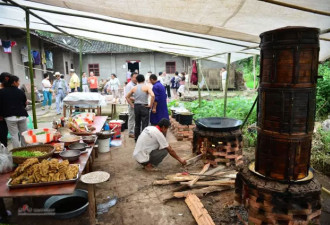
x=218 y=124
x=68 y=206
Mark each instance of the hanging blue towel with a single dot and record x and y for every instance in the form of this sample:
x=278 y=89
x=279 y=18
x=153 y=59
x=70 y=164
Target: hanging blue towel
x=36 y=57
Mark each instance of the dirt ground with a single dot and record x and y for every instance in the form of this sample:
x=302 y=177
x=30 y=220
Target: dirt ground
x=139 y=202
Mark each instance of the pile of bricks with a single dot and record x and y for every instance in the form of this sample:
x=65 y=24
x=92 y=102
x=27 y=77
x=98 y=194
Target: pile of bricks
x=182 y=132
x=219 y=148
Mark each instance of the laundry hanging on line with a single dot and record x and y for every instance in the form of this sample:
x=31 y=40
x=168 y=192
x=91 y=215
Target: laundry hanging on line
x=49 y=60
x=7 y=45
x=36 y=57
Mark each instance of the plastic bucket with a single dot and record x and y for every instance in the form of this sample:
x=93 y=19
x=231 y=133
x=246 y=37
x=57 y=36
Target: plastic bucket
x=104 y=145
x=116 y=125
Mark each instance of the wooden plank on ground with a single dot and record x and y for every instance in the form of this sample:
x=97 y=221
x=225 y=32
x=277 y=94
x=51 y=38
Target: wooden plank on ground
x=200 y=192
x=197 y=209
x=215 y=170
x=205 y=168
x=212 y=183
x=163 y=182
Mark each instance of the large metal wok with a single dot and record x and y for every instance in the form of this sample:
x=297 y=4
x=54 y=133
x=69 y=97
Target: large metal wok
x=218 y=124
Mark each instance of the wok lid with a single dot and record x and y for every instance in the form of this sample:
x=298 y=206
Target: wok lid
x=218 y=123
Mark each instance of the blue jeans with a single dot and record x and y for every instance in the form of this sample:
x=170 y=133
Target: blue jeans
x=59 y=98
x=47 y=97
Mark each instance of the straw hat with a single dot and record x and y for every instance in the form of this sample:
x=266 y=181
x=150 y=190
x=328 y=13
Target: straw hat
x=71 y=70
x=57 y=74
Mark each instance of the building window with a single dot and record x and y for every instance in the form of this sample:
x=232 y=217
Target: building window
x=66 y=68
x=94 y=68
x=170 y=67
x=71 y=65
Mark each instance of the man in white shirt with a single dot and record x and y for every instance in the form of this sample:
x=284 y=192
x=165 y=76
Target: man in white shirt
x=131 y=115
x=46 y=85
x=167 y=82
x=223 y=74
x=152 y=147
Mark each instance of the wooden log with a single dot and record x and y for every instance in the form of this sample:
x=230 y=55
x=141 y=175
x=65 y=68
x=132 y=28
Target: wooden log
x=205 y=168
x=197 y=209
x=201 y=192
x=194 y=159
x=163 y=182
x=212 y=183
x=178 y=177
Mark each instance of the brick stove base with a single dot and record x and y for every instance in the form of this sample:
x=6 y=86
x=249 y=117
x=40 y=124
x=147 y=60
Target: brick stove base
x=182 y=132
x=219 y=148
x=272 y=202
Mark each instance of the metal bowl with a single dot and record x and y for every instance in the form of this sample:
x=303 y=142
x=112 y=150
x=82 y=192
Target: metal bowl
x=69 y=139
x=78 y=146
x=89 y=139
x=72 y=155
x=68 y=206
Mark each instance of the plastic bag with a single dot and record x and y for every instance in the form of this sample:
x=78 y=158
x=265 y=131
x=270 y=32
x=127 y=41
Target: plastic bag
x=6 y=160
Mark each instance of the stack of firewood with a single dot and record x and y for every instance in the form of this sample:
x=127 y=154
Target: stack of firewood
x=199 y=183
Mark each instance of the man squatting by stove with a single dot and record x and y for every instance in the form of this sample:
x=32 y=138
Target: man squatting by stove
x=152 y=147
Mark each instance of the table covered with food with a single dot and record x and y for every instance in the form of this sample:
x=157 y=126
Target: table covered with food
x=54 y=159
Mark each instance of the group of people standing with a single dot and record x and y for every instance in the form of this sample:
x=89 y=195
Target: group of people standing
x=175 y=83
x=148 y=99
x=60 y=88
x=13 y=114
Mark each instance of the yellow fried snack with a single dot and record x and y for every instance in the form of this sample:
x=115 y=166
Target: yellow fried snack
x=47 y=171
x=22 y=167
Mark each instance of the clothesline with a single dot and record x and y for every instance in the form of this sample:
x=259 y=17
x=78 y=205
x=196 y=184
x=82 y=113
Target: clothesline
x=35 y=68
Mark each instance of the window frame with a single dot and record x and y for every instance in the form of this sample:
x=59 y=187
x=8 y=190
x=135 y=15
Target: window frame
x=94 y=67
x=169 y=71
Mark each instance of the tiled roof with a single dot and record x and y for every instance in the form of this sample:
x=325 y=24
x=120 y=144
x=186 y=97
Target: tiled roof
x=95 y=47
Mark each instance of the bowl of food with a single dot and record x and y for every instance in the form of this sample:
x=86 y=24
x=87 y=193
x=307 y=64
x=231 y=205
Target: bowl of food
x=78 y=146
x=59 y=147
x=69 y=139
x=71 y=156
x=43 y=135
x=36 y=151
x=89 y=139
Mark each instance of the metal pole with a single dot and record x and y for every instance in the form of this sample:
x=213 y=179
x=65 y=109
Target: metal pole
x=254 y=71
x=226 y=88
x=80 y=62
x=248 y=115
x=198 y=84
x=28 y=42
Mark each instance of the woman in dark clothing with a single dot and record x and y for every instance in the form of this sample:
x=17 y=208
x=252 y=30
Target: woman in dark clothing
x=4 y=77
x=12 y=108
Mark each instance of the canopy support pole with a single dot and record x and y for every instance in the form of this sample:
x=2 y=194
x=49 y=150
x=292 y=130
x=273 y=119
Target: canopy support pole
x=28 y=42
x=198 y=85
x=254 y=71
x=297 y=7
x=80 y=61
x=226 y=88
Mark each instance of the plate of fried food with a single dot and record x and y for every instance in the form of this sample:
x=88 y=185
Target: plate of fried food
x=31 y=173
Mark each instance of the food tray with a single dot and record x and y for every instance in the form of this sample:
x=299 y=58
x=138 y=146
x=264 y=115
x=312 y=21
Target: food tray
x=16 y=186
